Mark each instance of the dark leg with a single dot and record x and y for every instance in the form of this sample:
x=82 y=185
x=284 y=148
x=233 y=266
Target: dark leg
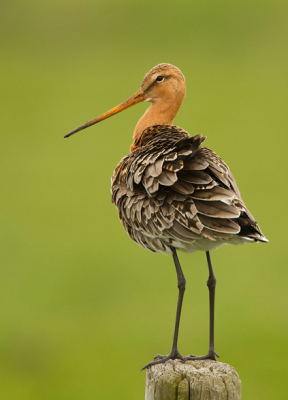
x=211 y=283
x=181 y=286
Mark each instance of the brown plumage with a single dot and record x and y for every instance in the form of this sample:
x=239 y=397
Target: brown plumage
x=171 y=192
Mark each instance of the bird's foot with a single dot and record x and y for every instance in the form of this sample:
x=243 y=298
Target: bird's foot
x=159 y=359
x=210 y=356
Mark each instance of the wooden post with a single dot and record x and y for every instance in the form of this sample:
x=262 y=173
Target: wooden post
x=194 y=380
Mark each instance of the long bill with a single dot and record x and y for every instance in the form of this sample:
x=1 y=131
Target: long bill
x=136 y=98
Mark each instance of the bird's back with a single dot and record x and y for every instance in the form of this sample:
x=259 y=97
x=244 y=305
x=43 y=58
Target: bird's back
x=171 y=191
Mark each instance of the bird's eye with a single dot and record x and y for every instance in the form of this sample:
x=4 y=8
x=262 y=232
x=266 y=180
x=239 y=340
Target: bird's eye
x=159 y=78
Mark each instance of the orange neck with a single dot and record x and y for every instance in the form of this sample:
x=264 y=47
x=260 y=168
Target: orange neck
x=159 y=113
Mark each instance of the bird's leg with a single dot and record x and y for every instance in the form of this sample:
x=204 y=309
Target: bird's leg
x=181 y=286
x=211 y=283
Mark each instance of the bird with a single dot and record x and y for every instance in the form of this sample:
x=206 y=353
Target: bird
x=174 y=194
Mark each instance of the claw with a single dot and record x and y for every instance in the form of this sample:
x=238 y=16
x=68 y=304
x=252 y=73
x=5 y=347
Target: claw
x=172 y=356
x=209 y=356
x=159 y=356
x=163 y=360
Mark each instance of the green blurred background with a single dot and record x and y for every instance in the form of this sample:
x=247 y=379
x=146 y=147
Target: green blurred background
x=82 y=307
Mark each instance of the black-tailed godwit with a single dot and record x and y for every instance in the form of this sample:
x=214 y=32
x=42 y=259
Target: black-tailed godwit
x=172 y=193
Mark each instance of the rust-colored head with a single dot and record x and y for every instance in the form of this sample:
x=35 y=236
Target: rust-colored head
x=163 y=86
x=164 y=83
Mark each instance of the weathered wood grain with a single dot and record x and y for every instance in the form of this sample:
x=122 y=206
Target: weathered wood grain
x=194 y=380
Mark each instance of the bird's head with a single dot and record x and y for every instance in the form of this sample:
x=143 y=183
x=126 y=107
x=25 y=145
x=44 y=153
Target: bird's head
x=163 y=85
